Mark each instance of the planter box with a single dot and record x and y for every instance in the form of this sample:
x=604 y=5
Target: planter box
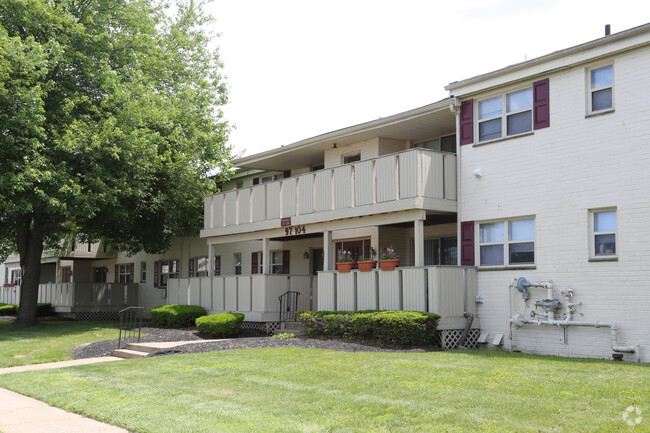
x=366 y=265
x=388 y=264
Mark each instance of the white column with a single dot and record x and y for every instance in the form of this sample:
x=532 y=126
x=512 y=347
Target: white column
x=265 y=256
x=419 y=242
x=327 y=250
x=211 y=260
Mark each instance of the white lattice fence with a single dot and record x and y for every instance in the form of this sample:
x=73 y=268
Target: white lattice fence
x=449 y=338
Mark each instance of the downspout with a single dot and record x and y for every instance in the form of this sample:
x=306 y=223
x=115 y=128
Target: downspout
x=454 y=106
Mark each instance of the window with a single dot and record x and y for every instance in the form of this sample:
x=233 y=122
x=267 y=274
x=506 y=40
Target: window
x=601 y=85
x=277 y=258
x=444 y=144
x=100 y=275
x=124 y=273
x=510 y=242
x=440 y=251
x=17 y=276
x=351 y=158
x=237 y=259
x=201 y=267
x=603 y=233
x=66 y=274
x=518 y=109
x=143 y=272
x=168 y=269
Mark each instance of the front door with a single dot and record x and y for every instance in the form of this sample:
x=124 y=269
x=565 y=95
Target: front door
x=317 y=260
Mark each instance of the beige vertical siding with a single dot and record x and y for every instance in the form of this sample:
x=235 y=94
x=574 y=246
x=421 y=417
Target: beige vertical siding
x=258 y=202
x=172 y=291
x=368 y=290
x=244 y=206
x=218 y=294
x=323 y=187
x=342 y=186
x=195 y=291
x=207 y=212
x=306 y=194
x=230 y=206
x=390 y=290
x=364 y=183
x=346 y=291
x=218 y=210
x=244 y=293
x=289 y=197
x=431 y=169
x=327 y=291
x=414 y=288
x=386 y=175
x=409 y=168
x=230 y=298
x=450 y=177
x=205 y=284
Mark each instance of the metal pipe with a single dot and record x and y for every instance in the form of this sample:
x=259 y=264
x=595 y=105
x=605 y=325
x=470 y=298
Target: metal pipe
x=463 y=337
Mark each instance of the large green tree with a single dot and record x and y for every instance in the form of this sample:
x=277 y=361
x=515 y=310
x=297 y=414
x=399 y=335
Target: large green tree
x=110 y=126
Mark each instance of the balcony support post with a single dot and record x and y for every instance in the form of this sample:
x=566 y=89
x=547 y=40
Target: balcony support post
x=327 y=250
x=418 y=226
x=211 y=260
x=265 y=256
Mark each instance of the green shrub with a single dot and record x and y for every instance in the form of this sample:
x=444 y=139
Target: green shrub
x=220 y=325
x=8 y=310
x=410 y=328
x=176 y=316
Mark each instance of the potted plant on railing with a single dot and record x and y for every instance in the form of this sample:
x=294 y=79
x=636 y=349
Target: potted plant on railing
x=365 y=264
x=389 y=259
x=344 y=262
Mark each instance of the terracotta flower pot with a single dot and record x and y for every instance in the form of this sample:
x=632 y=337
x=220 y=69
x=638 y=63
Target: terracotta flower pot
x=366 y=265
x=344 y=266
x=388 y=264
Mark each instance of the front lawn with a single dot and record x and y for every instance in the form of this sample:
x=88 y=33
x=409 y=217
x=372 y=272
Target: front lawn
x=49 y=341
x=307 y=390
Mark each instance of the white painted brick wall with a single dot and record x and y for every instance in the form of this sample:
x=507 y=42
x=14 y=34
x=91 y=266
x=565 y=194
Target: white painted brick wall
x=558 y=174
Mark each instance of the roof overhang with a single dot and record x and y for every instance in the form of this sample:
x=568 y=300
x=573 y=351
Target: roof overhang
x=567 y=58
x=422 y=123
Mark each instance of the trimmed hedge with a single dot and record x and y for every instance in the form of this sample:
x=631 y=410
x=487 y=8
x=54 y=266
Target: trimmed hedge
x=176 y=316
x=220 y=325
x=408 y=328
x=8 y=310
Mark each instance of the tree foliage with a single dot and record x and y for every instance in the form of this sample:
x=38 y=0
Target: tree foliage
x=110 y=124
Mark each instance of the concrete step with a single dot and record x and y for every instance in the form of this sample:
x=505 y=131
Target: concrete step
x=128 y=354
x=143 y=347
x=295 y=327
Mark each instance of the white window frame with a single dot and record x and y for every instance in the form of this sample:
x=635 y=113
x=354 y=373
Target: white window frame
x=593 y=254
x=237 y=263
x=173 y=272
x=124 y=273
x=506 y=243
x=591 y=91
x=277 y=267
x=352 y=158
x=17 y=276
x=201 y=266
x=504 y=115
x=143 y=272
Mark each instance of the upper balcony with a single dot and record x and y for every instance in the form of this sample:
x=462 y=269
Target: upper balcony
x=412 y=179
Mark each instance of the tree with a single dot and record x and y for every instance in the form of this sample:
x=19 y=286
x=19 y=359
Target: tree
x=110 y=126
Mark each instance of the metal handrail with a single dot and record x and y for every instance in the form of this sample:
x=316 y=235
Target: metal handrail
x=130 y=318
x=288 y=306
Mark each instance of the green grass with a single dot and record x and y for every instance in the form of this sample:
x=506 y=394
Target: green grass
x=298 y=390
x=49 y=341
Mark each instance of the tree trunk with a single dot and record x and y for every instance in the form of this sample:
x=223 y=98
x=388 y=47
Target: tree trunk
x=30 y=249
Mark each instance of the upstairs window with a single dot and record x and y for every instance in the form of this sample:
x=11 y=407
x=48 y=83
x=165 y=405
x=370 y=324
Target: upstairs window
x=510 y=242
x=518 y=118
x=603 y=233
x=351 y=158
x=601 y=88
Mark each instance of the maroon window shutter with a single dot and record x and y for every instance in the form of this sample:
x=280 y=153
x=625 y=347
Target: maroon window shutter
x=217 y=265
x=467 y=243
x=541 y=116
x=131 y=272
x=467 y=122
x=256 y=181
x=178 y=268
x=117 y=273
x=254 y=263
x=191 y=267
x=156 y=265
x=12 y=277
x=286 y=262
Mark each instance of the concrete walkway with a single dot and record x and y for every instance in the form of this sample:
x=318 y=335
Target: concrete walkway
x=20 y=414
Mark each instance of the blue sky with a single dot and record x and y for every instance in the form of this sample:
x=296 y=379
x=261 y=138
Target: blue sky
x=296 y=69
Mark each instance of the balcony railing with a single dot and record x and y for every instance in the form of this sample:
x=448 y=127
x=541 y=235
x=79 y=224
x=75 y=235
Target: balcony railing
x=78 y=295
x=411 y=174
